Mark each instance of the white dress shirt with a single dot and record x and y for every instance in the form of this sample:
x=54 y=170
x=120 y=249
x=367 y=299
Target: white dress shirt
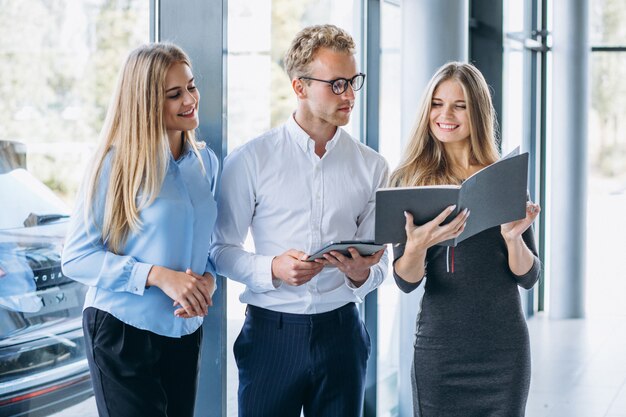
x=290 y=198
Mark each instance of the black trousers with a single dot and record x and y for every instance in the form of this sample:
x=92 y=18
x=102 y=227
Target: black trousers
x=290 y=363
x=138 y=373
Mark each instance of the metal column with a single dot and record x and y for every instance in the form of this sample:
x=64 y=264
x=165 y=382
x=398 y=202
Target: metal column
x=570 y=57
x=199 y=27
x=433 y=33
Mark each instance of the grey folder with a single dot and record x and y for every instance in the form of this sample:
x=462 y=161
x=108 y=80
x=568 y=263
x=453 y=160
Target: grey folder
x=494 y=195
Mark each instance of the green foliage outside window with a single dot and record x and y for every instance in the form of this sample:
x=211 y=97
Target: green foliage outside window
x=58 y=63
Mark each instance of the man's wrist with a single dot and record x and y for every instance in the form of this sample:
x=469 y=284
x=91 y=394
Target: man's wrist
x=360 y=280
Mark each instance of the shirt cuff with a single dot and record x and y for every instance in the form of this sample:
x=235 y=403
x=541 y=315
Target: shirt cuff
x=262 y=278
x=138 y=278
x=364 y=289
x=209 y=267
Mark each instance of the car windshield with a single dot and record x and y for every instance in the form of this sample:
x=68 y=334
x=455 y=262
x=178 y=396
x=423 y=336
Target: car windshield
x=26 y=201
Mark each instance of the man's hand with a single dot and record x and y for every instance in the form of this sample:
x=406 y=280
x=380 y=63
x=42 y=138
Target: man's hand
x=291 y=267
x=356 y=268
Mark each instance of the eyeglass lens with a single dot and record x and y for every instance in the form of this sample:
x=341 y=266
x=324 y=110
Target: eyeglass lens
x=341 y=85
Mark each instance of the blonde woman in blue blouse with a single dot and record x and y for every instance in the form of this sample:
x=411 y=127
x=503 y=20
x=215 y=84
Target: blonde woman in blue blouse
x=139 y=238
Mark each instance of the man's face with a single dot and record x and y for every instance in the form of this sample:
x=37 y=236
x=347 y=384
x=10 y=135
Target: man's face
x=320 y=101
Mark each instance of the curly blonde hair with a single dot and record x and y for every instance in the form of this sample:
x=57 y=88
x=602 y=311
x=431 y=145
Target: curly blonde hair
x=306 y=43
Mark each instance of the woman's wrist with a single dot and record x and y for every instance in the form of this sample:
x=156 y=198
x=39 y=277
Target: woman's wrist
x=414 y=251
x=153 y=276
x=409 y=269
x=512 y=240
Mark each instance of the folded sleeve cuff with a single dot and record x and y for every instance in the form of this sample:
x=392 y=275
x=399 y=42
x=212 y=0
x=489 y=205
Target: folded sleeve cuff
x=262 y=279
x=210 y=268
x=364 y=289
x=138 y=278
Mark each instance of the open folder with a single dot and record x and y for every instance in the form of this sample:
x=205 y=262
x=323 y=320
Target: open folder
x=494 y=195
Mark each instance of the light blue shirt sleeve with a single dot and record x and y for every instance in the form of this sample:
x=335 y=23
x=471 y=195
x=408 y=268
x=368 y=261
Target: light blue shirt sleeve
x=85 y=256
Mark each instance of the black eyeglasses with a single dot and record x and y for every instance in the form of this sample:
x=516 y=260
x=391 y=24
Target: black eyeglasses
x=340 y=85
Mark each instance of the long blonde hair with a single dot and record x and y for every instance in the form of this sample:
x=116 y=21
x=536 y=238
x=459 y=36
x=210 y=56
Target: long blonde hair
x=425 y=161
x=134 y=134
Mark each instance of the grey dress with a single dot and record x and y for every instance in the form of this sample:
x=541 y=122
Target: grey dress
x=472 y=354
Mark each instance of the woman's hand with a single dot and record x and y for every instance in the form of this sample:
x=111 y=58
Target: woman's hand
x=210 y=280
x=189 y=290
x=211 y=283
x=420 y=238
x=521 y=259
x=513 y=230
x=410 y=266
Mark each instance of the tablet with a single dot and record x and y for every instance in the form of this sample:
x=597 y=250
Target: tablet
x=365 y=248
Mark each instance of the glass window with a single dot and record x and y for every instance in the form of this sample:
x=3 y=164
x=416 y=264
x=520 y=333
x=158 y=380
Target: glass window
x=607 y=23
x=606 y=153
x=260 y=95
x=514 y=79
x=56 y=82
x=58 y=64
x=390 y=144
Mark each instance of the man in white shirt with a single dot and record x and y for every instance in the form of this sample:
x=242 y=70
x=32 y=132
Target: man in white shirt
x=298 y=187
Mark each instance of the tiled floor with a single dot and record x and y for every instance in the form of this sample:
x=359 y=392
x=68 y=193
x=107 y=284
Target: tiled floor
x=578 y=367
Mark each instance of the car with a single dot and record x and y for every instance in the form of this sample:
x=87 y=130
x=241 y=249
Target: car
x=43 y=367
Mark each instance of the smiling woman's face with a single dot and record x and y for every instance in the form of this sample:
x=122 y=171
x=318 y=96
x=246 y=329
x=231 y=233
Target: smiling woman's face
x=449 y=119
x=181 y=100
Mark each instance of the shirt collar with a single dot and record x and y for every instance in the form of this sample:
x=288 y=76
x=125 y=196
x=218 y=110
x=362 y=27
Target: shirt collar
x=187 y=149
x=304 y=141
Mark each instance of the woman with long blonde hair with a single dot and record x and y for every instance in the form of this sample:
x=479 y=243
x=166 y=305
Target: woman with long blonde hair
x=139 y=239
x=472 y=354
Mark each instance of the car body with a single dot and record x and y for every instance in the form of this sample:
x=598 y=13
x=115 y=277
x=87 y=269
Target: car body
x=43 y=367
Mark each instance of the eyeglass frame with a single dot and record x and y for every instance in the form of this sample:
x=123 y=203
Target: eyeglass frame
x=332 y=82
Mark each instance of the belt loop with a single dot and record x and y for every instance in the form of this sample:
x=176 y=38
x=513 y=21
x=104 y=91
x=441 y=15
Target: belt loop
x=340 y=314
x=247 y=309
x=280 y=320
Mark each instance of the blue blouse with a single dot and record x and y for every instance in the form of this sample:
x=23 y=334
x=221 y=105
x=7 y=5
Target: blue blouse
x=176 y=233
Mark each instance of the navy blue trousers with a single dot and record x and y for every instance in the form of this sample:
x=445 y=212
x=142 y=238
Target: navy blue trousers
x=290 y=363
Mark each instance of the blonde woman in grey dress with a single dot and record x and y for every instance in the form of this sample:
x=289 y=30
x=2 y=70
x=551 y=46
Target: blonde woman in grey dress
x=472 y=354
